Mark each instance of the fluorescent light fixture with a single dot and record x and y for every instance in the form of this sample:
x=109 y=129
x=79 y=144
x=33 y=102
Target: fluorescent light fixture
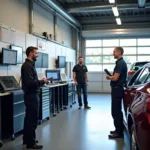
x=118 y=20
x=111 y=1
x=115 y=11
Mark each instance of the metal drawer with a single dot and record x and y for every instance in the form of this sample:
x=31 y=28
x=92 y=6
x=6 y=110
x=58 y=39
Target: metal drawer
x=19 y=108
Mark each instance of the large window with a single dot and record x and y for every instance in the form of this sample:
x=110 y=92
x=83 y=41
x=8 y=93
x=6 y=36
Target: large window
x=99 y=53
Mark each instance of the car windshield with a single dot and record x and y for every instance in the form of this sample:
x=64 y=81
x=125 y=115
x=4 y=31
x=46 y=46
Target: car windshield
x=138 y=64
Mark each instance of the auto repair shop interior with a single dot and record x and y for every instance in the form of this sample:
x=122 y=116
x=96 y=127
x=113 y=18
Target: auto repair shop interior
x=63 y=30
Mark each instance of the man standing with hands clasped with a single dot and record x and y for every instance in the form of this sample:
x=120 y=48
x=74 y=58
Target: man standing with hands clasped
x=117 y=83
x=31 y=87
x=81 y=81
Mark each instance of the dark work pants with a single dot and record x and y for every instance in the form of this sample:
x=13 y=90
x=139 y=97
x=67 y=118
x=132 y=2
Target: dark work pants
x=117 y=95
x=31 y=118
x=82 y=87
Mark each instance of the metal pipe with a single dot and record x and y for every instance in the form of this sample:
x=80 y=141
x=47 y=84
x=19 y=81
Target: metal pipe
x=141 y=3
x=31 y=15
x=62 y=12
x=77 y=45
x=55 y=26
x=104 y=8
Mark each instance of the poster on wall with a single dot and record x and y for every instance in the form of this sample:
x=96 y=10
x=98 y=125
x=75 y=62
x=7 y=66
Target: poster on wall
x=41 y=44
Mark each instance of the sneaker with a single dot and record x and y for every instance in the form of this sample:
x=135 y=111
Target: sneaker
x=80 y=107
x=87 y=107
x=24 y=142
x=113 y=132
x=35 y=146
x=115 y=135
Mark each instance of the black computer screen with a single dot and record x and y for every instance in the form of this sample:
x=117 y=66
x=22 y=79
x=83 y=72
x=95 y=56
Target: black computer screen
x=9 y=57
x=55 y=74
x=9 y=83
x=19 y=53
x=45 y=60
x=61 y=62
x=38 y=62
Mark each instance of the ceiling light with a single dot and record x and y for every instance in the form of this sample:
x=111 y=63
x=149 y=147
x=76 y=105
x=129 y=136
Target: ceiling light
x=115 y=11
x=118 y=20
x=111 y=1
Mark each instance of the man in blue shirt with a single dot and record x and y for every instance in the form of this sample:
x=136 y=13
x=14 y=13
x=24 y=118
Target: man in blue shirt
x=118 y=81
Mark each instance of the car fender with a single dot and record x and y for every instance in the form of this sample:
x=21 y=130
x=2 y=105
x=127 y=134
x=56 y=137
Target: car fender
x=130 y=115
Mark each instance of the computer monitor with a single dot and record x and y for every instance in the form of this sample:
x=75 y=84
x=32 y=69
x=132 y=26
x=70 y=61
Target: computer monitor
x=61 y=62
x=19 y=53
x=9 y=57
x=44 y=60
x=63 y=77
x=8 y=83
x=55 y=74
x=38 y=62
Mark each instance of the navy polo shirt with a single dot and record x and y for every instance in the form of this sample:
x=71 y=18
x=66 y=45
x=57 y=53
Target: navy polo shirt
x=80 y=71
x=121 y=68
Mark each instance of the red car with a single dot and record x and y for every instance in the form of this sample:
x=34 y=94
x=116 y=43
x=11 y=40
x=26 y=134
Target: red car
x=134 y=67
x=136 y=110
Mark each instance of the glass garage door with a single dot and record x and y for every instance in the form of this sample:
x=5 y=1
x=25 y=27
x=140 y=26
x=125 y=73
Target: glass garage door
x=99 y=55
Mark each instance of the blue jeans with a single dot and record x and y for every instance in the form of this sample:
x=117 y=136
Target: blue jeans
x=82 y=86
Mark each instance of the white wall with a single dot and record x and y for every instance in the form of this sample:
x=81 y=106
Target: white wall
x=52 y=49
x=64 y=32
x=14 y=29
x=14 y=13
x=43 y=20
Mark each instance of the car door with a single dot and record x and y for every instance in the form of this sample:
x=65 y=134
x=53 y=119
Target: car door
x=131 y=87
x=130 y=91
x=138 y=103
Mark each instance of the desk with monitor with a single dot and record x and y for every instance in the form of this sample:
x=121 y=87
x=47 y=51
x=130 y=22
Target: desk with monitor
x=12 y=109
x=54 y=97
x=60 y=95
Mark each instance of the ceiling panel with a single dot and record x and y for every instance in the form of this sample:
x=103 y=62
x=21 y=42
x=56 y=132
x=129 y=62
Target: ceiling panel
x=99 y=12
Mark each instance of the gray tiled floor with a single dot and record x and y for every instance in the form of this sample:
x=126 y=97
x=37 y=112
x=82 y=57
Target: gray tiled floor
x=75 y=129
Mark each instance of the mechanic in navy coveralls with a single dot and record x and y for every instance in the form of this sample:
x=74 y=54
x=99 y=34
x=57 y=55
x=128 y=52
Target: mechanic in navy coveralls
x=117 y=83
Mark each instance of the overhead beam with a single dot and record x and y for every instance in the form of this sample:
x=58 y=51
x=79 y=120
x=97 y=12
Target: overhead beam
x=114 y=26
x=147 y=16
x=116 y=32
x=92 y=3
x=101 y=8
x=82 y=4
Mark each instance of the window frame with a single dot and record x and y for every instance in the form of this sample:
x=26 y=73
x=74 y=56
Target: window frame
x=140 y=76
x=135 y=76
x=138 y=56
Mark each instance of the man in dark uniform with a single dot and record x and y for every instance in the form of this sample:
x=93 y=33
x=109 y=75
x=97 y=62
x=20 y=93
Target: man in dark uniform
x=81 y=81
x=30 y=86
x=118 y=81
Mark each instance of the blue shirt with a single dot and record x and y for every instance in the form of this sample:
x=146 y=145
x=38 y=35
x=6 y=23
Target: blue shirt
x=121 y=68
